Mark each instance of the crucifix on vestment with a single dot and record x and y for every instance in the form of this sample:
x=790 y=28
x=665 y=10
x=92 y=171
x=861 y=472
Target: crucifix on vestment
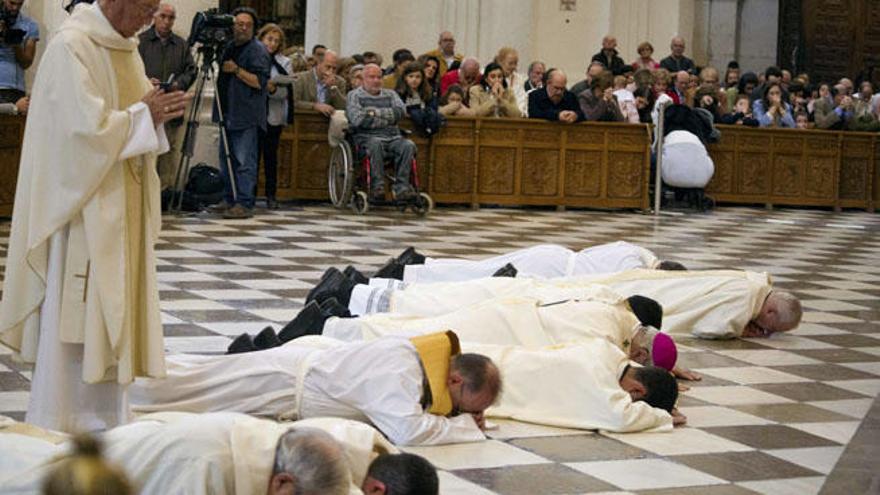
x=85 y=277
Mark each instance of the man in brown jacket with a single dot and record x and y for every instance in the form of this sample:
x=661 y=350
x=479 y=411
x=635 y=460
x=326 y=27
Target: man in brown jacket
x=320 y=88
x=445 y=53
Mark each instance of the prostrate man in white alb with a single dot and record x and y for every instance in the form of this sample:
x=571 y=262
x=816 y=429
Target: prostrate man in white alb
x=223 y=453
x=630 y=324
x=588 y=384
x=541 y=261
x=710 y=304
x=416 y=391
x=86 y=217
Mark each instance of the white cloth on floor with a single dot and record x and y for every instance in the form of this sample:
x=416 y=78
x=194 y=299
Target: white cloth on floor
x=572 y=385
x=216 y=453
x=686 y=163
x=712 y=304
x=595 y=311
x=542 y=261
x=380 y=382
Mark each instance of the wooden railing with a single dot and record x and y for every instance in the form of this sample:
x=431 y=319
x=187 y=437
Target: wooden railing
x=531 y=162
x=796 y=167
x=497 y=161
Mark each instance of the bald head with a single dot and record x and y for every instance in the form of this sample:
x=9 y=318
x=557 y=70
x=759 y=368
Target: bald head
x=781 y=312
x=372 y=78
x=446 y=43
x=677 y=46
x=163 y=20
x=609 y=43
x=469 y=71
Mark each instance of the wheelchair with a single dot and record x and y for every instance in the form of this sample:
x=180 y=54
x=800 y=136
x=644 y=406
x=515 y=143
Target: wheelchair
x=348 y=179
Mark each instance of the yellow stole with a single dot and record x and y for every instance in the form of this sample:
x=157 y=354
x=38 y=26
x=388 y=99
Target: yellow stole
x=32 y=431
x=436 y=351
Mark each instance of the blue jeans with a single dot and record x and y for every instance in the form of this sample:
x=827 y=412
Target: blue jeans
x=245 y=151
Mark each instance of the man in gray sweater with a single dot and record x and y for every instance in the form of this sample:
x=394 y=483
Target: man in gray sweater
x=373 y=113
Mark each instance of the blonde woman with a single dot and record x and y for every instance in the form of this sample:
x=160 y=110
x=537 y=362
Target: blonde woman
x=493 y=97
x=508 y=59
x=279 y=111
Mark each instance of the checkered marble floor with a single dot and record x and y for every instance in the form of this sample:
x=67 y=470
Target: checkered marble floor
x=791 y=414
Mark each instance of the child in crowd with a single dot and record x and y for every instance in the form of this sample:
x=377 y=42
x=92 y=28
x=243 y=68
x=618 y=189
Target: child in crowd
x=742 y=113
x=453 y=103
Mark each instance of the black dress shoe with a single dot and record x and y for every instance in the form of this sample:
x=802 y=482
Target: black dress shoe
x=332 y=307
x=648 y=311
x=266 y=339
x=355 y=275
x=507 y=270
x=327 y=286
x=409 y=256
x=392 y=269
x=242 y=343
x=309 y=321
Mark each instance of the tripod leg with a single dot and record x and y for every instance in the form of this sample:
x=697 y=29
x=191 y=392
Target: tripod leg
x=225 y=141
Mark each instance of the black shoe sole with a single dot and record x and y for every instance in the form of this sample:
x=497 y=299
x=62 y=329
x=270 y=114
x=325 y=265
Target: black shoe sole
x=309 y=321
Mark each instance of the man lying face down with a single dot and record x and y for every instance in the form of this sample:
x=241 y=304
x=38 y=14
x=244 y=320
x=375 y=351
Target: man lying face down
x=629 y=323
x=417 y=391
x=220 y=453
x=708 y=304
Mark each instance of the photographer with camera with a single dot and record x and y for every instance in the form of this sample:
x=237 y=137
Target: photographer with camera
x=18 y=46
x=169 y=63
x=245 y=66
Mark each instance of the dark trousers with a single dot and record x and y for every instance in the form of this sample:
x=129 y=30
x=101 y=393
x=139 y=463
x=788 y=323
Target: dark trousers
x=244 y=154
x=10 y=95
x=269 y=141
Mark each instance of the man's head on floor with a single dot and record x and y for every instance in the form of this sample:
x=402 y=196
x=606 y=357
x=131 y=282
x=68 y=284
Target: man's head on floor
x=401 y=474
x=474 y=383
x=670 y=265
x=309 y=461
x=781 y=312
x=650 y=347
x=651 y=384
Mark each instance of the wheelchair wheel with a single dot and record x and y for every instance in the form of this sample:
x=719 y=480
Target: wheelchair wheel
x=360 y=203
x=340 y=174
x=423 y=204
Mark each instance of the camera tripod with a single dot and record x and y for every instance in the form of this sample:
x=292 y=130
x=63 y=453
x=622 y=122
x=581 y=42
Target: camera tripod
x=207 y=55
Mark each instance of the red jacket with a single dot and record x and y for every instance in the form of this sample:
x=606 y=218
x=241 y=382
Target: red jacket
x=451 y=78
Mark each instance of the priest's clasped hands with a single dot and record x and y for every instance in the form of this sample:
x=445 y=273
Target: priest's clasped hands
x=166 y=106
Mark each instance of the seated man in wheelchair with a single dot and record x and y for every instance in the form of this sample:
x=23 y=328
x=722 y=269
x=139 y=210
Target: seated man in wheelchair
x=373 y=113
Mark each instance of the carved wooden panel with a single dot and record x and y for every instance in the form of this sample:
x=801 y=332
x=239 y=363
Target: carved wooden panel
x=586 y=136
x=822 y=144
x=754 y=173
x=311 y=165
x=10 y=134
x=854 y=174
x=788 y=144
x=787 y=175
x=506 y=135
x=819 y=178
x=627 y=139
x=830 y=39
x=539 y=172
x=548 y=137
x=496 y=173
x=725 y=168
x=583 y=173
x=457 y=129
x=758 y=140
x=625 y=177
x=286 y=163
x=453 y=169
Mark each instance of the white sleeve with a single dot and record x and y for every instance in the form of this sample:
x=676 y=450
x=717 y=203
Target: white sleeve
x=388 y=391
x=143 y=136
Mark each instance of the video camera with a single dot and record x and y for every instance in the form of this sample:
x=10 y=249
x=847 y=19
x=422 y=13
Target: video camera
x=8 y=34
x=211 y=28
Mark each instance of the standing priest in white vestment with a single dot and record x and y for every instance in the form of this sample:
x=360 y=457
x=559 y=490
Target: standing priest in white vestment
x=80 y=296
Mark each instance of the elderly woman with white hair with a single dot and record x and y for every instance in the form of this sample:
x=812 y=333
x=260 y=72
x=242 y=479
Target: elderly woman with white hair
x=508 y=59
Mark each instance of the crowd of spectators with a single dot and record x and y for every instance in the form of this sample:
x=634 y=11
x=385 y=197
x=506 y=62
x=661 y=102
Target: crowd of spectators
x=262 y=79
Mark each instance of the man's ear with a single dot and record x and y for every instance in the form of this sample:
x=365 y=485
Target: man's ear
x=372 y=486
x=636 y=389
x=641 y=356
x=282 y=484
x=454 y=378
